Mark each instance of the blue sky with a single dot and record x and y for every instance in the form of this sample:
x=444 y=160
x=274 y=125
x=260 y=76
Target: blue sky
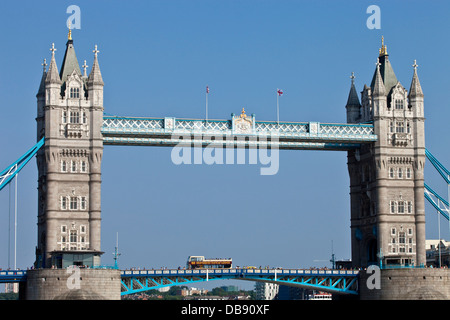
x=156 y=58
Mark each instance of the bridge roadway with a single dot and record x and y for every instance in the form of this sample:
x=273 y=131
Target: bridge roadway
x=134 y=281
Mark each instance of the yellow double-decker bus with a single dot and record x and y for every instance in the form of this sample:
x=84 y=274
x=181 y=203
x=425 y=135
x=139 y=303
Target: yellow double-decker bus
x=199 y=262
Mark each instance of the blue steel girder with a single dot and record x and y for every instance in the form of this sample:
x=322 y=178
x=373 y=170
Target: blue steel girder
x=437 y=201
x=11 y=171
x=334 y=281
x=172 y=132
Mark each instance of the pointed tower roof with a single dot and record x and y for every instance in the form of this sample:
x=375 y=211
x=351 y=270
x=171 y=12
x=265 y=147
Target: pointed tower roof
x=52 y=74
x=95 y=77
x=415 y=89
x=353 y=99
x=386 y=71
x=41 y=91
x=378 y=88
x=70 y=61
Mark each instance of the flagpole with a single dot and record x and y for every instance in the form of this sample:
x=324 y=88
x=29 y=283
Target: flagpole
x=278 y=109
x=207 y=89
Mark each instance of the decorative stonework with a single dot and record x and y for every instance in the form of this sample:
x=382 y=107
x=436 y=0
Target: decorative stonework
x=243 y=124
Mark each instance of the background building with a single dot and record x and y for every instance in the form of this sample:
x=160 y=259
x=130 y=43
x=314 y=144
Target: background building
x=438 y=253
x=266 y=291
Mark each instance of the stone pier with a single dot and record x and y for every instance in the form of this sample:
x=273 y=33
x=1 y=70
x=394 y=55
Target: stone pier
x=72 y=284
x=408 y=284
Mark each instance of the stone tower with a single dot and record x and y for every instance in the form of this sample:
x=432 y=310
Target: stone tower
x=69 y=116
x=387 y=177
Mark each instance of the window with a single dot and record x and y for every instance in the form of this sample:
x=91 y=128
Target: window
x=83 y=166
x=83 y=229
x=393 y=206
x=63 y=203
x=73 y=236
x=400 y=127
x=73 y=203
x=398 y=104
x=400 y=173
x=408 y=128
x=393 y=231
x=401 y=238
x=63 y=229
x=64 y=117
x=83 y=203
x=74 y=117
x=391 y=173
x=63 y=239
x=73 y=166
x=84 y=118
x=408 y=173
x=409 y=208
x=391 y=127
x=410 y=232
x=63 y=166
x=401 y=207
x=75 y=92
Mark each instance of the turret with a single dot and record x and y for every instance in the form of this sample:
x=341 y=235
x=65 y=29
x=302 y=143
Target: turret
x=353 y=106
x=416 y=94
x=95 y=82
x=41 y=102
x=379 y=97
x=52 y=81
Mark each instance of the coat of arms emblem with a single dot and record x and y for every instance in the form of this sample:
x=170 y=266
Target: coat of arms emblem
x=243 y=124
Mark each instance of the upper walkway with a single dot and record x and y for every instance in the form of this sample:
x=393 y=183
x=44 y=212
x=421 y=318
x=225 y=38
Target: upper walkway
x=240 y=132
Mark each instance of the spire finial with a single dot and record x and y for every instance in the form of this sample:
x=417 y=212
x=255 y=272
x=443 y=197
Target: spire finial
x=84 y=66
x=383 y=50
x=44 y=65
x=353 y=77
x=52 y=49
x=415 y=65
x=95 y=51
x=69 y=36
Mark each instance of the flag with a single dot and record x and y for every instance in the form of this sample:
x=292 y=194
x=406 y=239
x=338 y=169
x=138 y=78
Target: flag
x=280 y=92
x=207 y=89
